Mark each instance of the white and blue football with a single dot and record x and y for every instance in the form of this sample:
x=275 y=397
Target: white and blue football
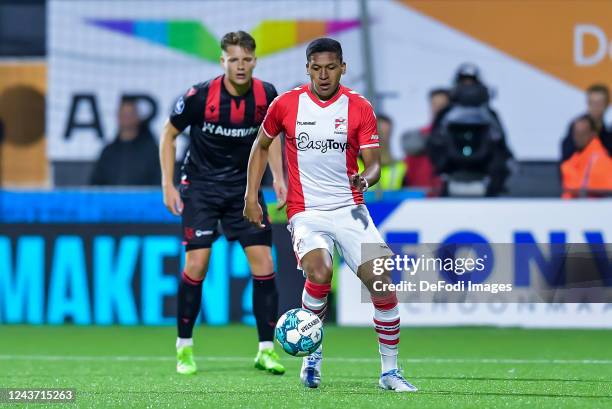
x=299 y=332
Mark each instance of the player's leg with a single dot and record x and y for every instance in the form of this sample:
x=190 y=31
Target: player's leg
x=317 y=266
x=257 y=244
x=313 y=246
x=265 y=306
x=199 y=220
x=265 y=294
x=354 y=228
x=189 y=301
x=387 y=326
x=190 y=292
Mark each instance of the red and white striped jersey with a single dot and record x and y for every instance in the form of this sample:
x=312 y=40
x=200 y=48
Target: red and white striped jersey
x=323 y=139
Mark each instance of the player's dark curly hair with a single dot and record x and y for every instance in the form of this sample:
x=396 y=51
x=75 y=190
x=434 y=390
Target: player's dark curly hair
x=241 y=38
x=324 y=44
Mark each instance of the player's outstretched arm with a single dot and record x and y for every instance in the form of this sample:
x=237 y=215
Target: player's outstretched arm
x=256 y=168
x=167 y=153
x=371 y=172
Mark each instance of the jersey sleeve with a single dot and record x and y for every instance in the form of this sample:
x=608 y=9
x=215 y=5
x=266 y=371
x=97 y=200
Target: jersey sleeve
x=368 y=129
x=185 y=110
x=273 y=122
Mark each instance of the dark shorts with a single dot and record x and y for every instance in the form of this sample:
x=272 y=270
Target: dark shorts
x=211 y=210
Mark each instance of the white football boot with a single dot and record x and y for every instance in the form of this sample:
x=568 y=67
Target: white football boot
x=311 y=369
x=394 y=380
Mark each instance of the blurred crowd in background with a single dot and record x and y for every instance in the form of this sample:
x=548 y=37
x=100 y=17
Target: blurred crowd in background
x=461 y=152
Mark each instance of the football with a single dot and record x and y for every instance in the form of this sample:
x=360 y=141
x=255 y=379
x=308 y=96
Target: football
x=299 y=332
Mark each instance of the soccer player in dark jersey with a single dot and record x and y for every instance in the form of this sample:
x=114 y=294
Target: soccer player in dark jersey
x=224 y=115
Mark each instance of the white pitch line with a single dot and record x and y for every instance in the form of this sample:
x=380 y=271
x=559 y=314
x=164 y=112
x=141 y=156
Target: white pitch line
x=127 y=358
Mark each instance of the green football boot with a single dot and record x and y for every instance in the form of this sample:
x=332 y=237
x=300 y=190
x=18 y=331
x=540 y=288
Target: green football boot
x=268 y=360
x=185 y=364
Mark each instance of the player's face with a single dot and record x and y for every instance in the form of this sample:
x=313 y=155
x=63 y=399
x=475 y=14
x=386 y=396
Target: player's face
x=325 y=70
x=238 y=64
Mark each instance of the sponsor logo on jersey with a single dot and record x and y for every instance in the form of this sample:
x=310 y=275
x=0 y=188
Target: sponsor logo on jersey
x=215 y=129
x=180 y=106
x=304 y=143
x=200 y=233
x=374 y=137
x=307 y=123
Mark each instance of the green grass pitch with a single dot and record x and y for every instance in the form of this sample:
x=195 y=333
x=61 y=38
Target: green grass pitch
x=123 y=367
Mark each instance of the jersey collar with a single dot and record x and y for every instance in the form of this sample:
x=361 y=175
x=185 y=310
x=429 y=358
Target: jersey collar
x=224 y=88
x=328 y=102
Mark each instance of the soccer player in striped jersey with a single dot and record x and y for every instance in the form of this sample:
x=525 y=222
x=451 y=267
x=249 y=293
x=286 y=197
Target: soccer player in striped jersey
x=326 y=125
x=224 y=116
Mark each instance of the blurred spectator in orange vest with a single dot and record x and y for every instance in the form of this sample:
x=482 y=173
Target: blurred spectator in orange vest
x=588 y=172
x=420 y=172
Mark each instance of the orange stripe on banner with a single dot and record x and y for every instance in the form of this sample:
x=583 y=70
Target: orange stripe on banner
x=309 y=30
x=570 y=40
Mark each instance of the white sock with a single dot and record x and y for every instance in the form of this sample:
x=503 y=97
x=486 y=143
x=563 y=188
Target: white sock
x=388 y=362
x=184 y=342
x=315 y=305
x=266 y=345
x=387 y=326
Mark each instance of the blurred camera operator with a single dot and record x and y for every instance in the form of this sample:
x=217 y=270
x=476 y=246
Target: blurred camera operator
x=468 y=143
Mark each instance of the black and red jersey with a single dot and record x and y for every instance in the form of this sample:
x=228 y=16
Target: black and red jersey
x=223 y=129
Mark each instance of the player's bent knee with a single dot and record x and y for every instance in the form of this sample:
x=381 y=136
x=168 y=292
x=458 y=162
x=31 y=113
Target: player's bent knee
x=318 y=271
x=318 y=266
x=260 y=260
x=195 y=270
x=320 y=275
x=196 y=263
x=376 y=282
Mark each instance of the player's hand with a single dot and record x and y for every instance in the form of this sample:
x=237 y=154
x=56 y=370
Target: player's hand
x=172 y=200
x=359 y=182
x=253 y=213
x=281 y=193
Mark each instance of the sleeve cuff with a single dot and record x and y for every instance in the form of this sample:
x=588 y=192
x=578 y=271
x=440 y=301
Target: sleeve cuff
x=268 y=133
x=178 y=126
x=370 y=145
